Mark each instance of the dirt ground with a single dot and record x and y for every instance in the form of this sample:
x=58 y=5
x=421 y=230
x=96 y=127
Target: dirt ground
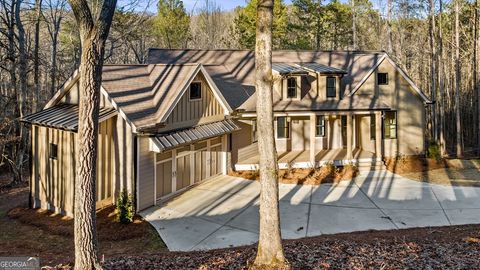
x=325 y=174
x=27 y=232
x=455 y=247
x=453 y=172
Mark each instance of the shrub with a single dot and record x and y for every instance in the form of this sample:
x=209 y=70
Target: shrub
x=434 y=151
x=124 y=207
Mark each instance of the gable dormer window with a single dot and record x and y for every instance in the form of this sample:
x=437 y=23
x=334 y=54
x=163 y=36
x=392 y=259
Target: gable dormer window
x=195 y=91
x=331 y=87
x=291 y=87
x=382 y=78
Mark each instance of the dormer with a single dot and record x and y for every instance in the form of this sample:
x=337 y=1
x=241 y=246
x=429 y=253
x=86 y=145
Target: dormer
x=288 y=80
x=328 y=80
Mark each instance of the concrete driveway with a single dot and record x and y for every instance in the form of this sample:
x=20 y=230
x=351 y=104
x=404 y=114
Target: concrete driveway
x=223 y=212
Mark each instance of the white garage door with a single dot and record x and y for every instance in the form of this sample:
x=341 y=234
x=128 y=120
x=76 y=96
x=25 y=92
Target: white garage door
x=184 y=166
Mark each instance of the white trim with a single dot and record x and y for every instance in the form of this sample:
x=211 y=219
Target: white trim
x=216 y=92
x=224 y=148
x=154 y=178
x=364 y=79
x=186 y=86
x=174 y=170
x=201 y=91
x=63 y=89
x=116 y=107
x=400 y=70
x=137 y=174
x=192 y=163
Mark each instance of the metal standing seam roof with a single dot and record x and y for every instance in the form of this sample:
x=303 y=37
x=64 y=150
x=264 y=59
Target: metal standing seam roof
x=189 y=135
x=322 y=69
x=63 y=116
x=287 y=68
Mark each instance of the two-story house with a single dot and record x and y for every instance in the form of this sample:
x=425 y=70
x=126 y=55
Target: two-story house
x=189 y=115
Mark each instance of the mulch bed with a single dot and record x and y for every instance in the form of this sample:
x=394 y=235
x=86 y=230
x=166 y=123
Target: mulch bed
x=420 y=164
x=456 y=247
x=325 y=174
x=108 y=229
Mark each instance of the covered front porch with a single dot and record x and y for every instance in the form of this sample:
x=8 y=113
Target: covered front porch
x=306 y=140
x=301 y=159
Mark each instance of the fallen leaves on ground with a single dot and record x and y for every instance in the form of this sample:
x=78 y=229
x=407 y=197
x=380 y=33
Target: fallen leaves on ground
x=422 y=248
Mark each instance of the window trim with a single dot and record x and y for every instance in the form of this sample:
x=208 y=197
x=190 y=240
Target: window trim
x=53 y=151
x=190 y=91
x=334 y=86
x=322 y=126
x=386 y=78
x=389 y=126
x=295 y=79
x=286 y=128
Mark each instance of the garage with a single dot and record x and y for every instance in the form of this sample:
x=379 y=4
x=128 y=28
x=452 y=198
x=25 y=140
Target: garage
x=181 y=167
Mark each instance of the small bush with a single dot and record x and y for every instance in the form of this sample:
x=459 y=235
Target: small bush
x=124 y=207
x=434 y=151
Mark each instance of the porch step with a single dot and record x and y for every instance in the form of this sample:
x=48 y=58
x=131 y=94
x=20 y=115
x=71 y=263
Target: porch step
x=371 y=166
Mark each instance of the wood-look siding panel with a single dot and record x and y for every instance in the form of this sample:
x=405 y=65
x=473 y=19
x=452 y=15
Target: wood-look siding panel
x=146 y=174
x=54 y=179
x=188 y=113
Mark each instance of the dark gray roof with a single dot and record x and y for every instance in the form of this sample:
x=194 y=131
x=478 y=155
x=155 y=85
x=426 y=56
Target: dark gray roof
x=63 y=116
x=287 y=68
x=322 y=69
x=189 y=135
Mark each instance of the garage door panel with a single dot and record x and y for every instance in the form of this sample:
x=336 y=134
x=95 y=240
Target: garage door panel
x=164 y=178
x=199 y=161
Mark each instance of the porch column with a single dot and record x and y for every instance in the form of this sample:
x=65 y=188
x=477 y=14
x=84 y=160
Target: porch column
x=378 y=135
x=312 y=138
x=349 y=155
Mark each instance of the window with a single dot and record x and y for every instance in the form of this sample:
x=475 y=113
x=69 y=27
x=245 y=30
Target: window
x=390 y=125
x=283 y=127
x=331 y=89
x=53 y=151
x=292 y=87
x=254 y=131
x=373 y=129
x=195 y=90
x=320 y=126
x=382 y=78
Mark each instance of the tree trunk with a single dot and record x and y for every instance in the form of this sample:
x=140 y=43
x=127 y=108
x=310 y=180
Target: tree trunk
x=92 y=36
x=270 y=251
x=354 y=25
x=457 y=83
x=389 y=28
x=36 y=62
x=85 y=218
x=475 y=74
x=53 y=68
x=441 y=101
x=433 y=71
x=21 y=92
